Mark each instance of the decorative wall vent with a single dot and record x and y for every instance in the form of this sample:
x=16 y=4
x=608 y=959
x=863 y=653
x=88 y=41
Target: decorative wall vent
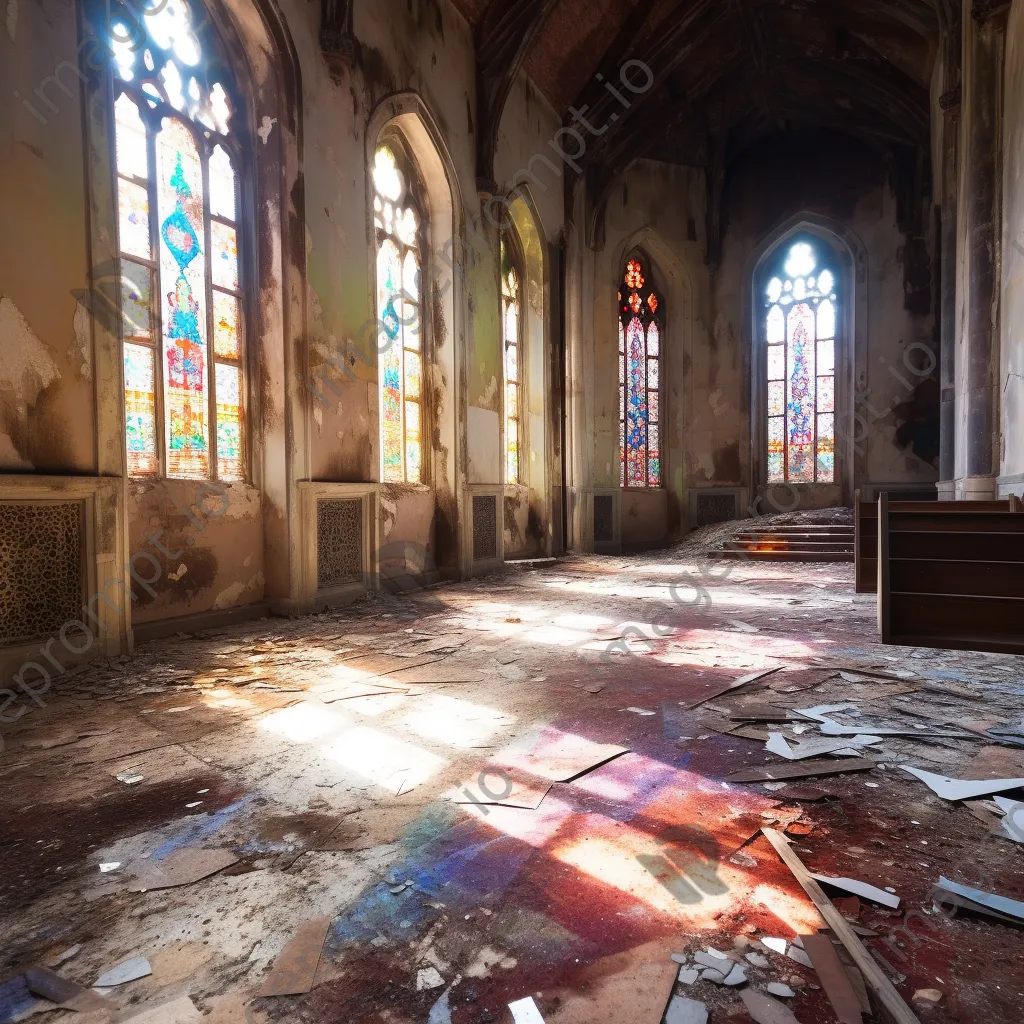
x=485 y=527
x=42 y=585
x=339 y=542
x=604 y=519
x=716 y=508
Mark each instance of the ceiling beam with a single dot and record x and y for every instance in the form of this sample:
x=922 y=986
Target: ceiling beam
x=503 y=37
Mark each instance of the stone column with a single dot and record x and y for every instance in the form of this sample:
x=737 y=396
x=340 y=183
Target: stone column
x=986 y=48
x=950 y=104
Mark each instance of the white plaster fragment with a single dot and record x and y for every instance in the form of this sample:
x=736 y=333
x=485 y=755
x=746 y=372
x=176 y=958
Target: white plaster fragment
x=265 y=128
x=80 y=350
x=491 y=393
x=12 y=19
x=229 y=596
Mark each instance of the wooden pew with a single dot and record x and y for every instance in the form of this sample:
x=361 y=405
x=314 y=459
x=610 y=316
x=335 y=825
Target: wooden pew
x=951 y=577
x=865 y=531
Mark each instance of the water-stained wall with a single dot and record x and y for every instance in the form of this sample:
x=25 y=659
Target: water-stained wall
x=313 y=382
x=47 y=419
x=710 y=408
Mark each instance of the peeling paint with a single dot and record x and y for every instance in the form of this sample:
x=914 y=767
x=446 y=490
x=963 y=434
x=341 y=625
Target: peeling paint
x=80 y=351
x=265 y=128
x=229 y=596
x=26 y=370
x=718 y=406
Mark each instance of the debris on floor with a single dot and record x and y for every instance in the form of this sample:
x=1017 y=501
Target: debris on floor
x=408 y=806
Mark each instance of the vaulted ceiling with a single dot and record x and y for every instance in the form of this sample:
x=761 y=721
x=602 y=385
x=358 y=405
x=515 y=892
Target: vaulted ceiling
x=727 y=73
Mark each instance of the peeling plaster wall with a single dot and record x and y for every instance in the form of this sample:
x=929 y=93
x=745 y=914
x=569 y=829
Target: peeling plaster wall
x=425 y=47
x=658 y=207
x=194 y=547
x=1012 y=347
x=47 y=416
x=706 y=414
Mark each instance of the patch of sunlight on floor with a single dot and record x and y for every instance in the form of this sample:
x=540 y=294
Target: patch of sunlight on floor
x=303 y=722
x=533 y=827
x=226 y=699
x=800 y=917
x=556 y=636
x=686 y=885
x=457 y=722
x=577 y=620
x=391 y=763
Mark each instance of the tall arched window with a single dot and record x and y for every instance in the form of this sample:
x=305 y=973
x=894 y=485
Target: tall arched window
x=800 y=330
x=511 y=321
x=398 y=224
x=639 y=379
x=177 y=160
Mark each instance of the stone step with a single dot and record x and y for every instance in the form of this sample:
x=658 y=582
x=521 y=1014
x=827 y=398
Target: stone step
x=793 y=538
x=788 y=555
x=801 y=529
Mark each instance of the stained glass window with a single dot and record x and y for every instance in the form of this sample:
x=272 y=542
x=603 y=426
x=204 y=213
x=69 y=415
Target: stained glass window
x=511 y=326
x=399 y=307
x=639 y=378
x=800 y=332
x=178 y=242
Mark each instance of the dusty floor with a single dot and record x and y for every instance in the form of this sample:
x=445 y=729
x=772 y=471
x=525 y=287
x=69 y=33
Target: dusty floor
x=262 y=741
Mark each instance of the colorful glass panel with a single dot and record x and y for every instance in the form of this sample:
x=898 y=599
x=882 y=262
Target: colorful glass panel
x=800 y=395
x=229 y=422
x=412 y=440
x=225 y=326
x=225 y=255
x=166 y=215
x=140 y=410
x=639 y=380
x=133 y=218
x=510 y=299
x=800 y=377
x=653 y=339
x=399 y=313
x=634 y=274
x=636 y=405
x=826 y=460
x=136 y=301
x=826 y=394
x=183 y=278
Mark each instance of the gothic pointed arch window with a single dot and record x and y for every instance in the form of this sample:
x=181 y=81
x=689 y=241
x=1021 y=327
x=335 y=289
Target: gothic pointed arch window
x=178 y=154
x=512 y=278
x=800 y=318
x=640 y=312
x=398 y=223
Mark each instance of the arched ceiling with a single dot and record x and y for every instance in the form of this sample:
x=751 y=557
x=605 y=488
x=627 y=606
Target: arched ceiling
x=727 y=73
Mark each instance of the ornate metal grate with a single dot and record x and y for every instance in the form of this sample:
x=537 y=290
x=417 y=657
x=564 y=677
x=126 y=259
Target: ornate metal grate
x=485 y=527
x=339 y=542
x=604 y=519
x=715 y=508
x=41 y=567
